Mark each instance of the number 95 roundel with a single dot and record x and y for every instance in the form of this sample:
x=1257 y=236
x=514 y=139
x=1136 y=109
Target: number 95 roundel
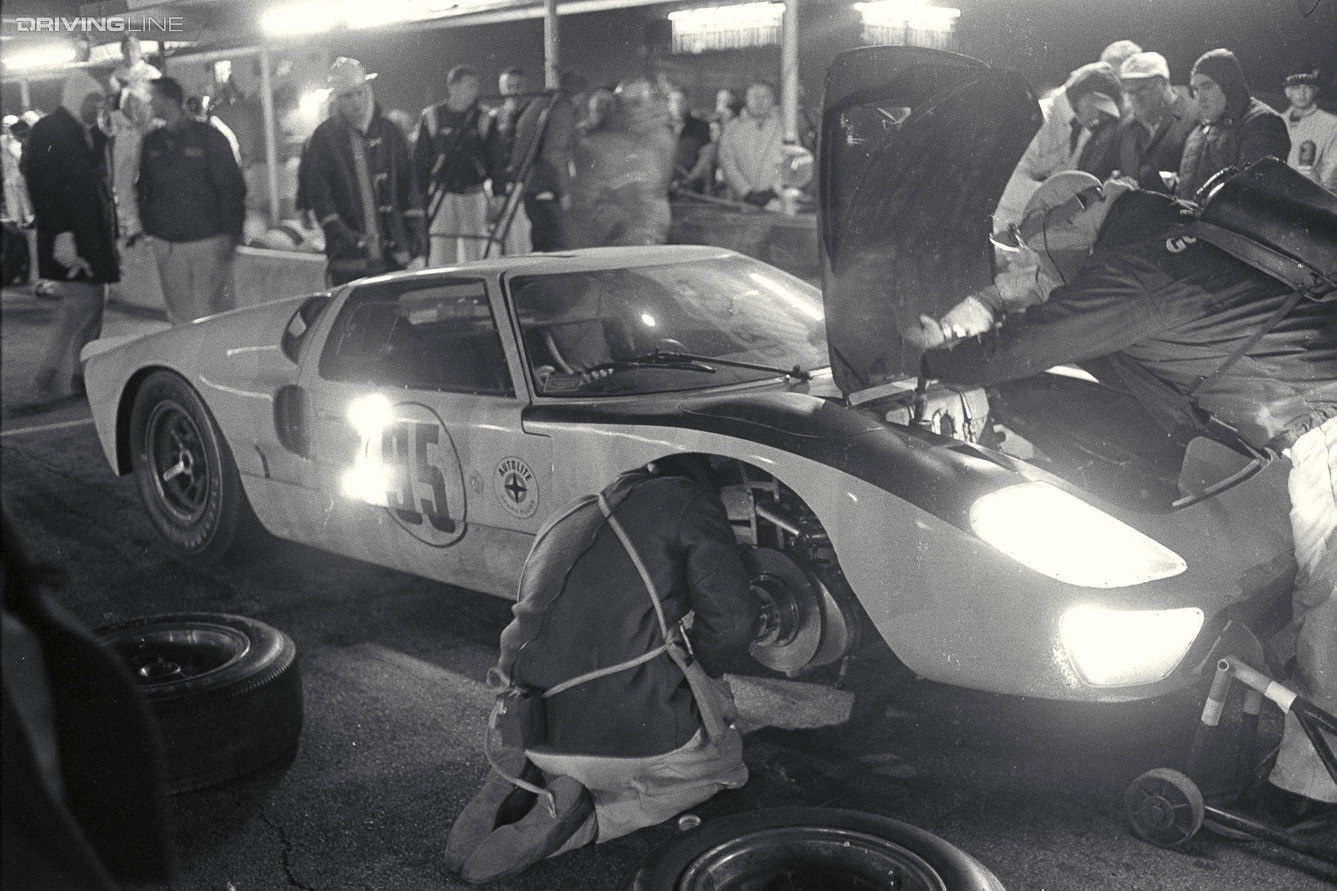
x=410 y=467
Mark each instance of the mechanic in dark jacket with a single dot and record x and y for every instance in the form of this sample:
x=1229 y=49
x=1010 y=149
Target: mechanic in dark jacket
x=192 y=203
x=545 y=134
x=1236 y=128
x=65 y=163
x=1177 y=308
x=646 y=740
x=357 y=178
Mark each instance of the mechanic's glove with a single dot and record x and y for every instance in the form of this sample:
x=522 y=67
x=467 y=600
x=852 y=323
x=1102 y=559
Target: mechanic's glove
x=66 y=254
x=341 y=240
x=974 y=315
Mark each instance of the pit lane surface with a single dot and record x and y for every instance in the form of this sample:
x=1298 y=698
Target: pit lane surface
x=393 y=670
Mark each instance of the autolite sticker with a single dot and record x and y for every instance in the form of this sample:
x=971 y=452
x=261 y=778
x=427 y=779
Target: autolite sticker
x=516 y=488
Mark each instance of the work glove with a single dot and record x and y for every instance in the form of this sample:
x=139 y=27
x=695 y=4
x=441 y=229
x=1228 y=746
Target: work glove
x=66 y=254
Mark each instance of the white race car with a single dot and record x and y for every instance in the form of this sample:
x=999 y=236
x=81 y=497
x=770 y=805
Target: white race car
x=1043 y=539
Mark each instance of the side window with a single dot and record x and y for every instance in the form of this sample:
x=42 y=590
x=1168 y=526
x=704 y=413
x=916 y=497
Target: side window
x=438 y=336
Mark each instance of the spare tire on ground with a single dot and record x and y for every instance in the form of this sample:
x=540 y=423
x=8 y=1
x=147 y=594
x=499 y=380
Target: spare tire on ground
x=225 y=689
x=810 y=849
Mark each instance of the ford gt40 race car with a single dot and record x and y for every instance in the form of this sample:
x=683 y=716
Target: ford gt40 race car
x=1044 y=539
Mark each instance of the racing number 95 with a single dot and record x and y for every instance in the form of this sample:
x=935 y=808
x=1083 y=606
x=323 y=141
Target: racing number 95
x=405 y=449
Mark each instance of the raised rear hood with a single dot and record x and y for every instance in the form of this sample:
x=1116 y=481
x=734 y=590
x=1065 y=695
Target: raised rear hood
x=917 y=146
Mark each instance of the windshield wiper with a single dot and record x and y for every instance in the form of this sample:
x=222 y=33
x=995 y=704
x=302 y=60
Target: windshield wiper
x=797 y=372
x=655 y=359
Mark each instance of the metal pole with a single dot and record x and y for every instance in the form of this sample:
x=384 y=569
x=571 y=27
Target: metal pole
x=25 y=96
x=552 y=77
x=271 y=139
x=789 y=72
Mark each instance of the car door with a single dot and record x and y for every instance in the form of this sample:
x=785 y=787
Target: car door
x=416 y=440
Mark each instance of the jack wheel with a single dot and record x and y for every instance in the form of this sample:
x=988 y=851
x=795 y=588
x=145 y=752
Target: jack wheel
x=1164 y=807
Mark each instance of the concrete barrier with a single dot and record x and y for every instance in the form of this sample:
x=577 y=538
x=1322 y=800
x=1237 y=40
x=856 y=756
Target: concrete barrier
x=258 y=276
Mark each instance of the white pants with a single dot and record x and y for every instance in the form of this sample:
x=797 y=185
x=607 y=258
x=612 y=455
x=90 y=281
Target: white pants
x=196 y=277
x=459 y=229
x=1313 y=491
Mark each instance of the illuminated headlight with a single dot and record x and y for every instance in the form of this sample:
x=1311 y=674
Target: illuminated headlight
x=1116 y=648
x=1067 y=539
x=369 y=415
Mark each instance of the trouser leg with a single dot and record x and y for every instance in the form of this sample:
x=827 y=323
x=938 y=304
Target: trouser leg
x=78 y=321
x=1313 y=491
x=174 y=274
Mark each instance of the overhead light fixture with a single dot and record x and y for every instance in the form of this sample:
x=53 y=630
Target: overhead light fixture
x=726 y=27
x=297 y=18
x=43 y=58
x=908 y=23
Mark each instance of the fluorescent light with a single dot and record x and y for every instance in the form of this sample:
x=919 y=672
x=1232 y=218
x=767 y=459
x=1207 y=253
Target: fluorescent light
x=1120 y=648
x=907 y=14
x=1063 y=537
x=298 y=18
x=43 y=58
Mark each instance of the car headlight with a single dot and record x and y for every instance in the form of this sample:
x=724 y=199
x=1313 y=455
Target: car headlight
x=1067 y=539
x=1115 y=648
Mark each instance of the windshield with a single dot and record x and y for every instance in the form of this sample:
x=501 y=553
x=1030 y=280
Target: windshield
x=631 y=331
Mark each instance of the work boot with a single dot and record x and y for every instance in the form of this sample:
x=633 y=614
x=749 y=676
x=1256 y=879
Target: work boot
x=510 y=850
x=498 y=803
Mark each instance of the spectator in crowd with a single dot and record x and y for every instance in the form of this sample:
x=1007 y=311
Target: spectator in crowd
x=1151 y=143
x=750 y=150
x=131 y=118
x=1119 y=52
x=545 y=134
x=694 y=151
x=727 y=105
x=1313 y=131
x=1086 y=102
x=357 y=178
x=512 y=85
x=201 y=109
x=65 y=164
x=598 y=111
x=192 y=204
x=637 y=729
x=1236 y=128
x=452 y=161
x=12 y=140
x=1171 y=314
x=619 y=195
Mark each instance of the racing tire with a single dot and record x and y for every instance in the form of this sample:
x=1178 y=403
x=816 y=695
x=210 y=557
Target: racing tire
x=810 y=848
x=185 y=472
x=225 y=690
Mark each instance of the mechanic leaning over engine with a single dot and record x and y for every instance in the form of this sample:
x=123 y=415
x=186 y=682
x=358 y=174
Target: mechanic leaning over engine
x=613 y=718
x=1170 y=315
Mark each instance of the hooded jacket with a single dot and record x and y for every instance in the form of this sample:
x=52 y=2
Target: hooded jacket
x=1178 y=308
x=1246 y=131
x=66 y=167
x=583 y=606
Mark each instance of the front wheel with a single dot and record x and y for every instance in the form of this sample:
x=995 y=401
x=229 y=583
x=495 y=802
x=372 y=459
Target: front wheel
x=811 y=848
x=184 y=470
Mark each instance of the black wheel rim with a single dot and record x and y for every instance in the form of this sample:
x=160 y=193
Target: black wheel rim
x=810 y=858
x=166 y=654
x=178 y=462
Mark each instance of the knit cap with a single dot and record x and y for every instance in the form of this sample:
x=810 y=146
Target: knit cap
x=1222 y=66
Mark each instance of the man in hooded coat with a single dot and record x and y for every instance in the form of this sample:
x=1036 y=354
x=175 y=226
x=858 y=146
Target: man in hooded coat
x=1236 y=130
x=66 y=167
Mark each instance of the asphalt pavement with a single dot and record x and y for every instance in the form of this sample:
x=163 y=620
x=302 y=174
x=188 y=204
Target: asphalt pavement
x=393 y=669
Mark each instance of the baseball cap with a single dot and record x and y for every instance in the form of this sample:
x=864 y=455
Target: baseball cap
x=1099 y=81
x=347 y=75
x=1144 y=65
x=1302 y=73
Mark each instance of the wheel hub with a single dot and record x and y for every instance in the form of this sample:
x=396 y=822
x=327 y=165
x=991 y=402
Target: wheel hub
x=178 y=462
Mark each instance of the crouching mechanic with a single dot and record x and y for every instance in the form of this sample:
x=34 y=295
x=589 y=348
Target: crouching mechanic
x=1164 y=310
x=616 y=719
